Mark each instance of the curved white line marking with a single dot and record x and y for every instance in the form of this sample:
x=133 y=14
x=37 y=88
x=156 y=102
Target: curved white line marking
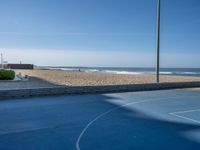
x=115 y=108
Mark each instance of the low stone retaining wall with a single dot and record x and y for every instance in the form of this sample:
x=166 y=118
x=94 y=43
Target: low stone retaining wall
x=19 y=93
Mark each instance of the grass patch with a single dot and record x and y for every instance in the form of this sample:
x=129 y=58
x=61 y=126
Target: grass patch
x=7 y=74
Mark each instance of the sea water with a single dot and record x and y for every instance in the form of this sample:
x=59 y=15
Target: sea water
x=133 y=70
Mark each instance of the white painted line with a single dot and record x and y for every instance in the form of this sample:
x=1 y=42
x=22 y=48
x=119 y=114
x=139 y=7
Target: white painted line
x=183 y=117
x=186 y=118
x=118 y=107
x=186 y=111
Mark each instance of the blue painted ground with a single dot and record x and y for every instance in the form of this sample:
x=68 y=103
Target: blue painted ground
x=154 y=120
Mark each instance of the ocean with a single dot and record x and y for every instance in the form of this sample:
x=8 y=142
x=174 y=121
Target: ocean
x=133 y=70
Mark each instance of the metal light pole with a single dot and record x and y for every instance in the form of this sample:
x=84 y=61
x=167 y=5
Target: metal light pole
x=158 y=43
x=1 y=60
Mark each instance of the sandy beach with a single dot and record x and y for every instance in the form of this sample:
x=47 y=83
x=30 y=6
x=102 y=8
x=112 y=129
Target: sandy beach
x=75 y=78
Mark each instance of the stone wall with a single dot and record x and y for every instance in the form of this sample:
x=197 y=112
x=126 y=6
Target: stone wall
x=20 y=93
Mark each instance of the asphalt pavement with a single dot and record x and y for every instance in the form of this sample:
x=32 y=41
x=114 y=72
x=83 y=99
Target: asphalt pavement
x=154 y=120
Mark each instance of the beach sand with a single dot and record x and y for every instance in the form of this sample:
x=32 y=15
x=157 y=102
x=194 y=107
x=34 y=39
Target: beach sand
x=75 y=78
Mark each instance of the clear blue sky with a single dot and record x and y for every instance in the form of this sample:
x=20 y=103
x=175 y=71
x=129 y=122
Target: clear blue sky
x=100 y=32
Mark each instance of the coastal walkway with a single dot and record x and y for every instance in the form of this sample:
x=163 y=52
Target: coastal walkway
x=150 y=120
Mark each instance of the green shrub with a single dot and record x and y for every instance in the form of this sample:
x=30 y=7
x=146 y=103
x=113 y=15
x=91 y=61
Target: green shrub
x=7 y=74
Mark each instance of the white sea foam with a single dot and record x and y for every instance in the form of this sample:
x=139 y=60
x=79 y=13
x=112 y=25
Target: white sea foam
x=123 y=72
x=166 y=72
x=91 y=70
x=64 y=69
x=190 y=73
